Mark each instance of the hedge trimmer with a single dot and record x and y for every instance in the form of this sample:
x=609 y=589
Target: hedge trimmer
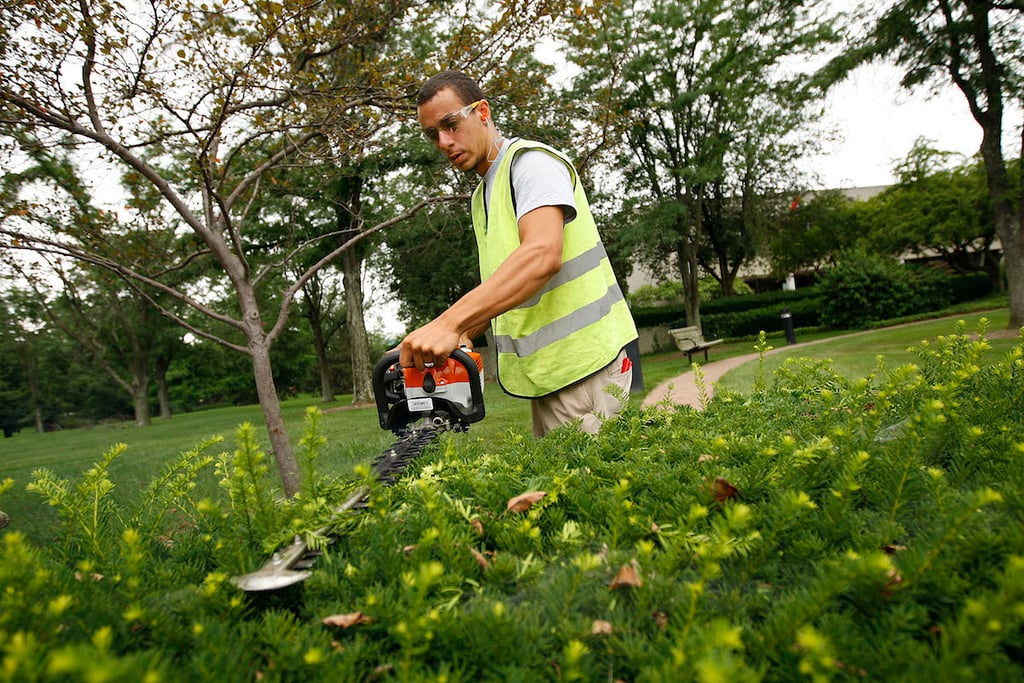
x=417 y=406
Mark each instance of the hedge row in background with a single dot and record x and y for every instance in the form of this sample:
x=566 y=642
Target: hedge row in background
x=864 y=289
x=674 y=315
x=848 y=297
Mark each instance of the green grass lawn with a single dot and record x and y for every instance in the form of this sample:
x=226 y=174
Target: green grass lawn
x=857 y=355
x=354 y=436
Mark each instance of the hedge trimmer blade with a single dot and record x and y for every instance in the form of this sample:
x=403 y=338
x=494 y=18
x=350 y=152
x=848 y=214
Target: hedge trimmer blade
x=417 y=405
x=290 y=565
x=278 y=572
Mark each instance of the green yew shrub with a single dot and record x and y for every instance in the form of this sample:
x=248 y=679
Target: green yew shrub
x=864 y=288
x=821 y=528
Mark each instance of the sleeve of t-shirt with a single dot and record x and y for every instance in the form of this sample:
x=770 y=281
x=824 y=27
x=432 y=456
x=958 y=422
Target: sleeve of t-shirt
x=540 y=179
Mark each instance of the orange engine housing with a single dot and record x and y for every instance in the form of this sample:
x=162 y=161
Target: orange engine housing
x=450 y=382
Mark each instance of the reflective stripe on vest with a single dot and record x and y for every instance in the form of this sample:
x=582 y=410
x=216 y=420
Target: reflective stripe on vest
x=561 y=328
x=579 y=321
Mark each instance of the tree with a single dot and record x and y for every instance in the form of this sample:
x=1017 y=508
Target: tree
x=976 y=45
x=813 y=232
x=228 y=92
x=15 y=400
x=702 y=110
x=117 y=328
x=933 y=209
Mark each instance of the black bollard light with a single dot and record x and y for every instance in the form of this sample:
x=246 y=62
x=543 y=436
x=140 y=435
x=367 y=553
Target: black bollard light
x=787 y=325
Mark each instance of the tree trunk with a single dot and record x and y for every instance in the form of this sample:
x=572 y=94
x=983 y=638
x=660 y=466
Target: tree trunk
x=323 y=366
x=270 y=404
x=37 y=413
x=1013 y=253
x=362 y=370
x=687 y=255
x=1007 y=205
x=139 y=389
x=162 y=394
x=140 y=402
x=31 y=366
x=1007 y=217
x=315 y=310
x=687 y=262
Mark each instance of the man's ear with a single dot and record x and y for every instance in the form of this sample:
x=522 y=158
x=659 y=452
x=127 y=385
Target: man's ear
x=485 y=111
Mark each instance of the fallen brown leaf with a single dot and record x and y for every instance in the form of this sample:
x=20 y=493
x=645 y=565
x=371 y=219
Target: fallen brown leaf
x=478 y=526
x=525 y=501
x=627 y=576
x=480 y=559
x=347 y=620
x=722 y=490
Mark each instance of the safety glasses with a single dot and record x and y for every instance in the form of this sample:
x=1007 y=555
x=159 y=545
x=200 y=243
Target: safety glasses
x=450 y=122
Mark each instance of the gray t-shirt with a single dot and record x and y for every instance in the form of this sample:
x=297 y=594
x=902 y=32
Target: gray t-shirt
x=538 y=179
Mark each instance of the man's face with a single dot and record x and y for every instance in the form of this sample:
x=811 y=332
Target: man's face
x=458 y=129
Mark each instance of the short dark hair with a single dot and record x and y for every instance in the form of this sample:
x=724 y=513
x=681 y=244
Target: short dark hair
x=467 y=89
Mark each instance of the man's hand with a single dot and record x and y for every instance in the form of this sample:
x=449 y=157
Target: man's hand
x=429 y=345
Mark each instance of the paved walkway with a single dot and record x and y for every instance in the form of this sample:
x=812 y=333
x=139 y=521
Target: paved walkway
x=682 y=390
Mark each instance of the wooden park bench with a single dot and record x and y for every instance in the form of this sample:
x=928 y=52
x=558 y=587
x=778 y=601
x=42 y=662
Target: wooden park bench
x=690 y=341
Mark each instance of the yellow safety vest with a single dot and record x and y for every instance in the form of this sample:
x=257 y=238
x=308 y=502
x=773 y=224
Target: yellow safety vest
x=579 y=321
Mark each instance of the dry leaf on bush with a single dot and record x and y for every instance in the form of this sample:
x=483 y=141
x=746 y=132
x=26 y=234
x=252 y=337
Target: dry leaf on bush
x=723 y=490
x=347 y=620
x=627 y=576
x=480 y=559
x=478 y=527
x=524 y=501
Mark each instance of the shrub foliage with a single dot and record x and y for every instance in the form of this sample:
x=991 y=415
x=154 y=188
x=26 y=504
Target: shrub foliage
x=820 y=528
x=864 y=289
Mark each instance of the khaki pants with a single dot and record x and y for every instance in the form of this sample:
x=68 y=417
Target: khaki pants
x=586 y=399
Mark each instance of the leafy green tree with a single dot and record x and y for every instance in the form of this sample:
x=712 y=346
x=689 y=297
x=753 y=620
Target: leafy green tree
x=813 y=232
x=701 y=111
x=59 y=383
x=15 y=400
x=933 y=209
x=975 y=45
x=112 y=323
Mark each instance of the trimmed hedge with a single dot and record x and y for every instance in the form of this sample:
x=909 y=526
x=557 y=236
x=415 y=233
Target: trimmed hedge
x=747 y=315
x=819 y=528
x=767 y=303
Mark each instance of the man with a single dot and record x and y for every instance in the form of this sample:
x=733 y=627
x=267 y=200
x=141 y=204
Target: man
x=560 y=322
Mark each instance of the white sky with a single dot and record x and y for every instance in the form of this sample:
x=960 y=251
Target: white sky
x=878 y=122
